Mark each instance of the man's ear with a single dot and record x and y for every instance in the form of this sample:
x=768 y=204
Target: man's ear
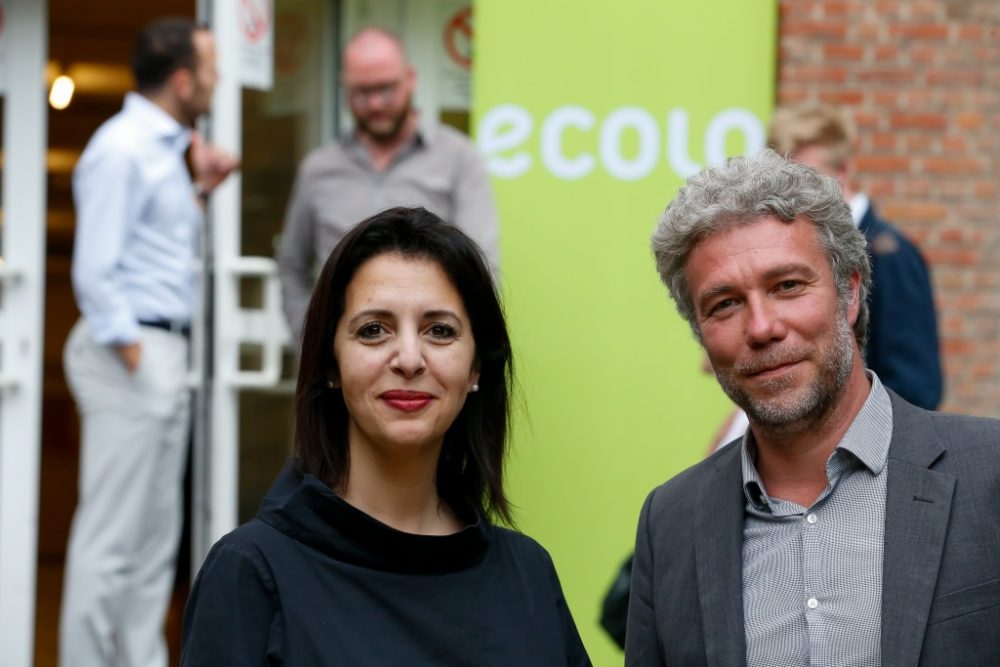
x=854 y=307
x=181 y=82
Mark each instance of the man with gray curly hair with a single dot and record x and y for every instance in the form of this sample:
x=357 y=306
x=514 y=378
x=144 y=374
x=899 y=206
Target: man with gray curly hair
x=847 y=526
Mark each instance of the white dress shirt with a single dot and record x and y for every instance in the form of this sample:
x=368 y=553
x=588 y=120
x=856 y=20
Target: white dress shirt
x=137 y=223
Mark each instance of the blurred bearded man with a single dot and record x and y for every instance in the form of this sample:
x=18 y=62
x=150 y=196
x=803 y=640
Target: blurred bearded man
x=393 y=157
x=847 y=527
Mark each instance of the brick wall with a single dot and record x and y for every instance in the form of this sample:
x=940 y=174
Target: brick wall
x=922 y=80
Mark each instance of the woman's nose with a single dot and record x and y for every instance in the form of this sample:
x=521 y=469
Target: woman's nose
x=408 y=357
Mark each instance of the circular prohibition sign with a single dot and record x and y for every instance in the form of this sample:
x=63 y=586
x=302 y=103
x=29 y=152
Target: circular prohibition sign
x=254 y=19
x=458 y=37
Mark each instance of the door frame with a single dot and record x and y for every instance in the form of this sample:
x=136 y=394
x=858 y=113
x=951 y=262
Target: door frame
x=25 y=27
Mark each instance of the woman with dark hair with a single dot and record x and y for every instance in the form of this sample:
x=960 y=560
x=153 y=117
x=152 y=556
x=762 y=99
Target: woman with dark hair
x=377 y=543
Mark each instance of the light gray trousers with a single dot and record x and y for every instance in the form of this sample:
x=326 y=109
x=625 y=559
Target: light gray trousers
x=125 y=532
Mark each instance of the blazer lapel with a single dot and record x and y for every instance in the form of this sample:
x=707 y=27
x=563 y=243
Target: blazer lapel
x=917 y=509
x=719 y=562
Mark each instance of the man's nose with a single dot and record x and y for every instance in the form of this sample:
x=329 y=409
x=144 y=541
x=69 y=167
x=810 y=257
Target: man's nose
x=763 y=323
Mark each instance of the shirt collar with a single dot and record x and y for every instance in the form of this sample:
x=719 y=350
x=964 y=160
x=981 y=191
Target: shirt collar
x=159 y=121
x=867 y=438
x=859 y=204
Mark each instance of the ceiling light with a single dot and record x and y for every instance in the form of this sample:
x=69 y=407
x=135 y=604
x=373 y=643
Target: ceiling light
x=61 y=92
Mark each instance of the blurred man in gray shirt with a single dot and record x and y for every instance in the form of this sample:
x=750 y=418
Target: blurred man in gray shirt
x=393 y=157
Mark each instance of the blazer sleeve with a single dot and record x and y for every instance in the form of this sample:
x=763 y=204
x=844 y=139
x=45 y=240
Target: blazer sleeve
x=642 y=648
x=232 y=617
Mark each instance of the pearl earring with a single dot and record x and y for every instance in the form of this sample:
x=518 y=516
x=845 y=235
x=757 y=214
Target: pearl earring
x=329 y=383
x=474 y=388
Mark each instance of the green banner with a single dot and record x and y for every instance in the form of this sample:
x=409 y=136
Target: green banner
x=590 y=115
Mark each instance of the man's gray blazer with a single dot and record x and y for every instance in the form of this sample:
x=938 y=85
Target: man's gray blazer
x=941 y=571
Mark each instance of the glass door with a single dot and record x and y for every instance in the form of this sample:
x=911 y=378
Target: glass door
x=23 y=50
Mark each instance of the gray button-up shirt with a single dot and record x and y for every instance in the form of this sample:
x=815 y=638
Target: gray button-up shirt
x=812 y=577
x=337 y=187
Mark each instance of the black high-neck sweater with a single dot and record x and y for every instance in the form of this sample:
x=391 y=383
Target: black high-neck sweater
x=313 y=581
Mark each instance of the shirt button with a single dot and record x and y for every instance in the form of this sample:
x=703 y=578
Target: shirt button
x=812 y=603
x=811 y=518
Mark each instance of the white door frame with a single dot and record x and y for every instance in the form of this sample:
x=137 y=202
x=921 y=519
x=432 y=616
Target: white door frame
x=216 y=451
x=23 y=56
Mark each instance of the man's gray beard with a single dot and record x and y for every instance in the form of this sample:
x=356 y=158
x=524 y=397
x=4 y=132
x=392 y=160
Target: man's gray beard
x=821 y=394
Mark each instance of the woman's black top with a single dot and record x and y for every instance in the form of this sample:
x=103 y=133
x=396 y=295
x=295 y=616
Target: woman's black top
x=313 y=581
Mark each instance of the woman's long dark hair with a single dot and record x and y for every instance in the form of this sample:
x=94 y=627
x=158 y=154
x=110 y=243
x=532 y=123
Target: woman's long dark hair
x=471 y=464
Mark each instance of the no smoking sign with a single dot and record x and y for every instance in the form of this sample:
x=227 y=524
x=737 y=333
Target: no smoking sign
x=458 y=37
x=255 y=19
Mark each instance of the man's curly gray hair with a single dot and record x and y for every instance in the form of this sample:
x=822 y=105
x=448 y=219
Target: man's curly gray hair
x=741 y=191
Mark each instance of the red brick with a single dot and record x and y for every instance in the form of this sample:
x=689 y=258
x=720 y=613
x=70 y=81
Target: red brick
x=880 y=188
x=923 y=54
x=883 y=140
x=868 y=31
x=918 y=142
x=918 y=99
x=886 y=52
x=988 y=280
x=919 y=31
x=984 y=369
x=953 y=325
x=927 y=121
x=920 y=212
x=842 y=97
x=812 y=73
x=969 y=120
x=886 y=98
x=987 y=54
x=881 y=163
x=957 y=346
x=925 y=10
x=951 y=235
x=794 y=9
x=866 y=119
x=970 y=32
x=954 y=144
x=955 y=77
x=951 y=165
x=833 y=29
x=986 y=189
x=835 y=9
x=886 y=75
x=788 y=95
x=955 y=258
x=915 y=187
x=838 y=51
x=885 y=8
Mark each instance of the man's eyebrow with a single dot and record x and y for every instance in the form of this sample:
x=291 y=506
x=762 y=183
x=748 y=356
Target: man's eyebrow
x=791 y=267
x=712 y=292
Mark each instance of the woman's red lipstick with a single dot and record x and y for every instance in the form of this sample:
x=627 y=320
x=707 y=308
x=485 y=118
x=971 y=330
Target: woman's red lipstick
x=407 y=401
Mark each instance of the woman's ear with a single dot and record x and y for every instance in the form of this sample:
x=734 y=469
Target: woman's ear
x=474 y=377
x=332 y=380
